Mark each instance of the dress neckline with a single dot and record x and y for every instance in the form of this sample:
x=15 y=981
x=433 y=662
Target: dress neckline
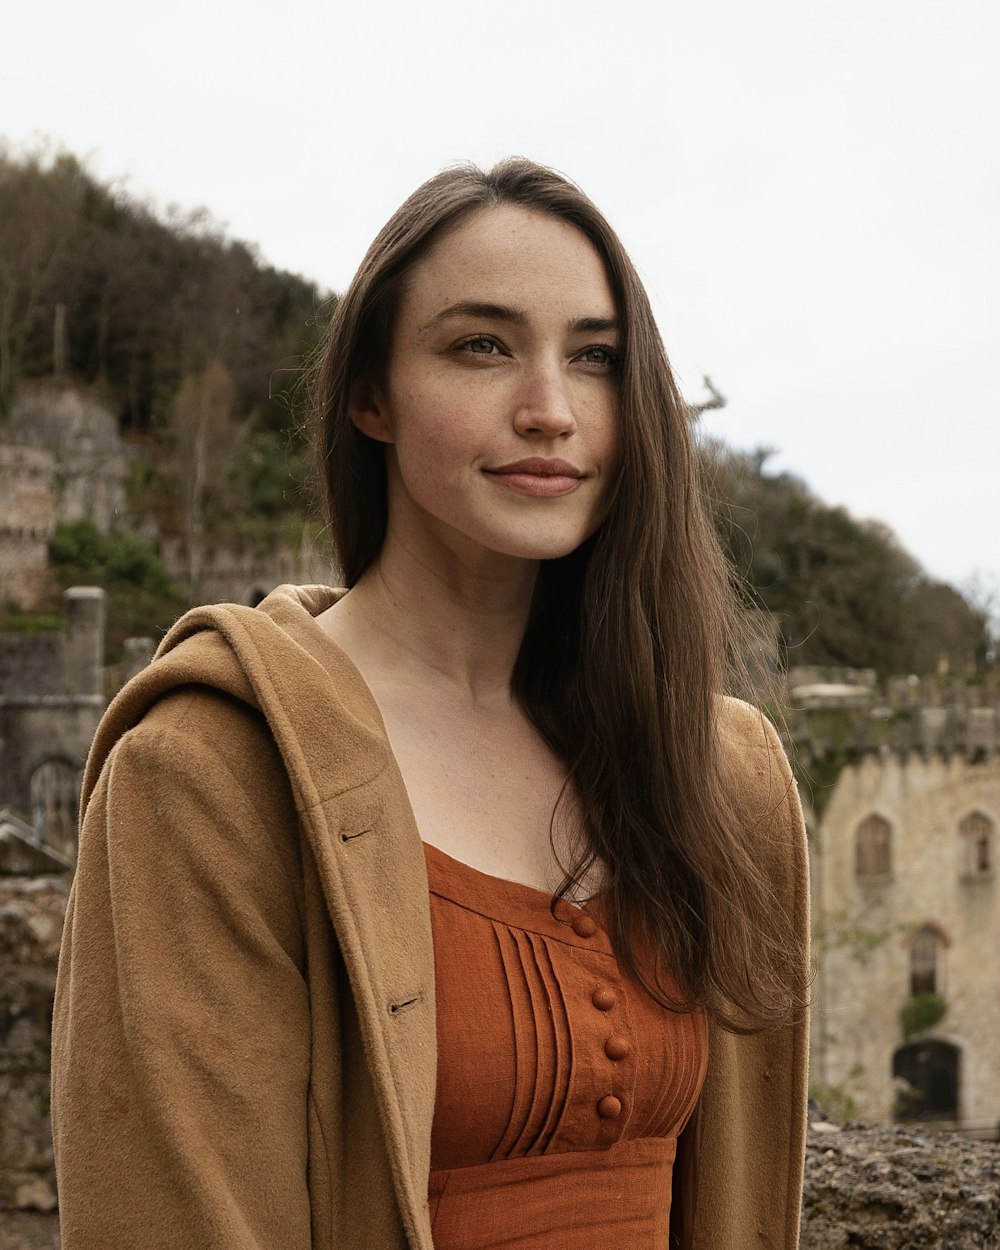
x=489 y=878
x=513 y=902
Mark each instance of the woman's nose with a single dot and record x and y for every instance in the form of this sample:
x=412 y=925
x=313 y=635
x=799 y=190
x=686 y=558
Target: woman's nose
x=543 y=405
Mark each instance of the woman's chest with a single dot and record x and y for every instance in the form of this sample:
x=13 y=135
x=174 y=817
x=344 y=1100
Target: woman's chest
x=487 y=795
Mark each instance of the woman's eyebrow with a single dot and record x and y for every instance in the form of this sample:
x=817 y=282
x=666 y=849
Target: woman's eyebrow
x=474 y=308
x=594 y=325
x=514 y=316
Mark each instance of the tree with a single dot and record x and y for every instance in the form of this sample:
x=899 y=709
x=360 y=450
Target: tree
x=843 y=591
x=205 y=441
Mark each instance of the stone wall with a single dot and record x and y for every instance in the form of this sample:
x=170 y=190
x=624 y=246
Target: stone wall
x=88 y=460
x=233 y=576
x=27 y=521
x=32 y=665
x=32 y=910
x=61 y=459
x=866 y=1188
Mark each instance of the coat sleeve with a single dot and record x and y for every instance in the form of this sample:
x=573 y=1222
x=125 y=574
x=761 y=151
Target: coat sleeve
x=181 y=1025
x=738 y=1173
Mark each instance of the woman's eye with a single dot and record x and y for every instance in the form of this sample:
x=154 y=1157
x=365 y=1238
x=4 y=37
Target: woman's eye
x=480 y=346
x=603 y=356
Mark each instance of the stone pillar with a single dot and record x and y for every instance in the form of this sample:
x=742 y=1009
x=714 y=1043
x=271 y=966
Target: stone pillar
x=933 y=724
x=84 y=640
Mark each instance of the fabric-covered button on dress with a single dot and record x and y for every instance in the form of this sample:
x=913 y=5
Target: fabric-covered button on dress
x=561 y=1085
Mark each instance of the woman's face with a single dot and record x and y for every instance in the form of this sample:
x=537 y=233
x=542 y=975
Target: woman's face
x=499 y=407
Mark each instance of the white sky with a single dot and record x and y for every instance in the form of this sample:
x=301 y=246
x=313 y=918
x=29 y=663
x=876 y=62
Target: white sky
x=810 y=190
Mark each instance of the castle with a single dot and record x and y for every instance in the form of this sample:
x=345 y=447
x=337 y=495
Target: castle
x=901 y=792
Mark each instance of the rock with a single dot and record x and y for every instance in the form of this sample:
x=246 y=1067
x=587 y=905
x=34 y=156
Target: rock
x=31 y=918
x=890 y=1187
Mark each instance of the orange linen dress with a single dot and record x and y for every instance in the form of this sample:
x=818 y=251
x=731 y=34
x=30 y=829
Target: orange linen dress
x=561 y=1085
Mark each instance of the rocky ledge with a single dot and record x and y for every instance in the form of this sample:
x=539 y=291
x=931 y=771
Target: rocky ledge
x=881 y=1187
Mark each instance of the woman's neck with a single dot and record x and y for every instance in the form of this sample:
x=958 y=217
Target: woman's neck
x=453 y=625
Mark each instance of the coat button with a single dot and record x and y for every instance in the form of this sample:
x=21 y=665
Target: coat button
x=616 y=1047
x=609 y=1108
x=604 y=998
x=584 y=926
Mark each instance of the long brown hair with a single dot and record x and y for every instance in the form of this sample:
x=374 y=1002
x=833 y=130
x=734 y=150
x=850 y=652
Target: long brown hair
x=631 y=639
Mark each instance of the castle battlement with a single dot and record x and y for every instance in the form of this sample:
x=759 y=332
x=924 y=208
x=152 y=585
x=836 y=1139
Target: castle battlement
x=846 y=713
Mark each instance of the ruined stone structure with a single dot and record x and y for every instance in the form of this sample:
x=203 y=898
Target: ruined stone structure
x=232 y=576
x=60 y=460
x=27 y=522
x=51 y=700
x=903 y=801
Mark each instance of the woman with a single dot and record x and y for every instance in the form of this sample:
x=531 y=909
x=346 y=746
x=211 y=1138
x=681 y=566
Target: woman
x=459 y=909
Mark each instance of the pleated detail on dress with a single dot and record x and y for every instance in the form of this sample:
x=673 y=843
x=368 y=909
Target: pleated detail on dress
x=559 y=1080
x=545 y=1047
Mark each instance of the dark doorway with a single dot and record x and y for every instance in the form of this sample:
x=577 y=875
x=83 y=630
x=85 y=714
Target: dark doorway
x=930 y=1070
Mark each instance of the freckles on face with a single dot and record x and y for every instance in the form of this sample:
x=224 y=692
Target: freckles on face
x=500 y=404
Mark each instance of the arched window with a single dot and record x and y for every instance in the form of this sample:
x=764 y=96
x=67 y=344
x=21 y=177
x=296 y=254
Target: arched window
x=873 y=849
x=975 y=833
x=55 y=800
x=925 y=961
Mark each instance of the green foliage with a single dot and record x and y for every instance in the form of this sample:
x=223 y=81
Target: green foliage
x=834 y=1101
x=79 y=549
x=142 y=599
x=819 y=777
x=838 y=931
x=921 y=1012
x=198 y=345
x=267 y=471
x=14 y=621
x=843 y=591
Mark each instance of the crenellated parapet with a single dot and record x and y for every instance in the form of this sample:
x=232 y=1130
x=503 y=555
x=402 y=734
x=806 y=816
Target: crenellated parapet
x=845 y=714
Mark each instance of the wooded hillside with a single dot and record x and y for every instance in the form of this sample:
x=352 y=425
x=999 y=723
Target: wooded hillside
x=843 y=591
x=97 y=286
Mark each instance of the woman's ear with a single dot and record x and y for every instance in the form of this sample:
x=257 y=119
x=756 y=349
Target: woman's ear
x=369 y=411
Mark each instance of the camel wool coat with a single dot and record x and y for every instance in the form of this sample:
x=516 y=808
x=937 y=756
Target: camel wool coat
x=244 y=1030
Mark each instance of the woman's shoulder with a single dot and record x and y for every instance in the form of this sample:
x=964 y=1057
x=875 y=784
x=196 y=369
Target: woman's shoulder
x=214 y=725
x=757 y=770
x=746 y=732
x=198 y=779
x=210 y=753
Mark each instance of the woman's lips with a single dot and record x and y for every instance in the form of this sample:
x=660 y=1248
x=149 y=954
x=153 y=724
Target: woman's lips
x=538 y=477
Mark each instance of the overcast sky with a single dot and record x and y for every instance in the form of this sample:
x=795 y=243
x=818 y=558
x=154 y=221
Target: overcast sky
x=810 y=190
